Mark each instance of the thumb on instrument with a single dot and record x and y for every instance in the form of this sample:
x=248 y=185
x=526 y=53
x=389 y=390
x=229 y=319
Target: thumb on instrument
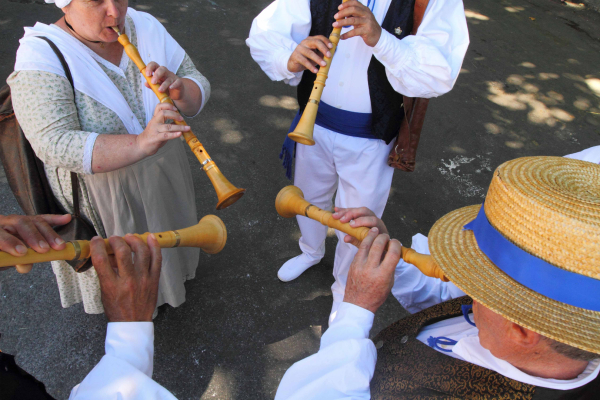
x=23 y=268
x=365 y=246
x=155 y=257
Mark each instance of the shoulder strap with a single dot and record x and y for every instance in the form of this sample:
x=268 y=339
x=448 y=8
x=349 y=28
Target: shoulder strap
x=419 y=12
x=74 y=180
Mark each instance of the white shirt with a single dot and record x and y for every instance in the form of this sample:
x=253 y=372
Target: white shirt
x=345 y=363
x=422 y=65
x=592 y=155
x=125 y=372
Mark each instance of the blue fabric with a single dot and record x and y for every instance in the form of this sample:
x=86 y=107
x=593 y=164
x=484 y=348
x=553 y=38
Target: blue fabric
x=434 y=341
x=465 y=310
x=532 y=272
x=347 y=123
x=341 y=121
x=288 y=150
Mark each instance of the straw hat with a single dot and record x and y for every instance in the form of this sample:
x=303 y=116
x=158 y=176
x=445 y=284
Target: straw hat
x=550 y=208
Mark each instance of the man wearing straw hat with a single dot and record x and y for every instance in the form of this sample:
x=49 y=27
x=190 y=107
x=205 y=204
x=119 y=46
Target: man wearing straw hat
x=529 y=261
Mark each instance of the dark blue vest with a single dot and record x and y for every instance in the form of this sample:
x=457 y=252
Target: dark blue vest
x=386 y=103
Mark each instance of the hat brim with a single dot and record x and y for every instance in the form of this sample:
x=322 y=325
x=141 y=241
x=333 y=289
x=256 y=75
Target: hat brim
x=456 y=252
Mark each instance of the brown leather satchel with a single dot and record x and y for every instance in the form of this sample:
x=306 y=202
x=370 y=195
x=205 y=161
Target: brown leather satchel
x=27 y=178
x=403 y=154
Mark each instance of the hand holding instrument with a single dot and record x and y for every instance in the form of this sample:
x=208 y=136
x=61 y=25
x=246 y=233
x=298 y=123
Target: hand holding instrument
x=209 y=234
x=226 y=192
x=290 y=202
x=303 y=133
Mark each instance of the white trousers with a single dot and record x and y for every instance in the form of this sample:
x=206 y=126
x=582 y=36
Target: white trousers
x=355 y=167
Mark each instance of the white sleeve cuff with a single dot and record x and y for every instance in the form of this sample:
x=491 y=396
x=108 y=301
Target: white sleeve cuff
x=202 y=90
x=281 y=59
x=392 y=52
x=132 y=342
x=351 y=322
x=88 y=150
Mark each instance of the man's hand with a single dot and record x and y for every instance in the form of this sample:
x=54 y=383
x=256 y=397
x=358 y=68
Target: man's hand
x=358 y=217
x=17 y=232
x=129 y=288
x=308 y=54
x=358 y=15
x=370 y=278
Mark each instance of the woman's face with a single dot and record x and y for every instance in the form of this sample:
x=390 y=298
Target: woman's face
x=94 y=19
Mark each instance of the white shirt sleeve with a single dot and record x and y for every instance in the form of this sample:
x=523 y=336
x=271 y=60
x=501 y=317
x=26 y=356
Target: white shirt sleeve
x=428 y=63
x=416 y=291
x=344 y=365
x=125 y=372
x=592 y=155
x=274 y=35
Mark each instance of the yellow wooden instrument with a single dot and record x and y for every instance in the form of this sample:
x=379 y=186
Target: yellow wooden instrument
x=304 y=130
x=226 y=192
x=290 y=202
x=209 y=234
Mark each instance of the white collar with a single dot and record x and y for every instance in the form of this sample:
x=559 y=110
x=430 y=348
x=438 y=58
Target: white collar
x=469 y=349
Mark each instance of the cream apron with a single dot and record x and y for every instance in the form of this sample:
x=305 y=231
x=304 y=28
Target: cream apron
x=153 y=195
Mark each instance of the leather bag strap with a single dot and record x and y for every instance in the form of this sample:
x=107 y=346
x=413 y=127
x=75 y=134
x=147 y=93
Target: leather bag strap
x=74 y=179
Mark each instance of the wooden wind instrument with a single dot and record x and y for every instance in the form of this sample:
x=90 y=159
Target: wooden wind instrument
x=226 y=192
x=290 y=202
x=303 y=133
x=209 y=234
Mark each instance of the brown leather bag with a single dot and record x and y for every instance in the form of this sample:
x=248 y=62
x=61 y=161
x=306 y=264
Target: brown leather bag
x=404 y=153
x=27 y=177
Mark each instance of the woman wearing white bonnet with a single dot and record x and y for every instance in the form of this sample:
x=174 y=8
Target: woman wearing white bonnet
x=111 y=131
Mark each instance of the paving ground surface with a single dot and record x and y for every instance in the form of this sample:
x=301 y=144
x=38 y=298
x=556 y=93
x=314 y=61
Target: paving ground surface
x=530 y=85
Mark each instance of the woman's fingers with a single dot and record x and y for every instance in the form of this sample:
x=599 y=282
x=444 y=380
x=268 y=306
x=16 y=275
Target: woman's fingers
x=172 y=128
x=170 y=114
x=151 y=67
x=160 y=74
x=166 y=83
x=164 y=107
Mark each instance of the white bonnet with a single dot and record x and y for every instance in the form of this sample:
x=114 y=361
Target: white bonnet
x=59 y=3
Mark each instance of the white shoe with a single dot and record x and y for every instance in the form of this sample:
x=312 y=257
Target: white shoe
x=294 y=267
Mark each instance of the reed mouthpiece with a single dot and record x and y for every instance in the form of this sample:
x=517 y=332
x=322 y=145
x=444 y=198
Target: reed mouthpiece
x=116 y=29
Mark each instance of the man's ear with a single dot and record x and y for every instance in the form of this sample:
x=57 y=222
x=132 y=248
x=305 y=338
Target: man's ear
x=523 y=336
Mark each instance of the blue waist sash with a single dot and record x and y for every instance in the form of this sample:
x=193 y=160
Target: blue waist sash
x=341 y=121
x=347 y=123
x=532 y=272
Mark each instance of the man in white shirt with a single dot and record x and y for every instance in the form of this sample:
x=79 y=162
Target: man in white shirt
x=537 y=319
x=360 y=112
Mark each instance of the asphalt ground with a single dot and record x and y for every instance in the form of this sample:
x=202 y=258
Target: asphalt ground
x=530 y=85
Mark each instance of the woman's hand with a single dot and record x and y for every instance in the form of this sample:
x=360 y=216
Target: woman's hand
x=157 y=132
x=308 y=54
x=168 y=81
x=358 y=217
x=184 y=92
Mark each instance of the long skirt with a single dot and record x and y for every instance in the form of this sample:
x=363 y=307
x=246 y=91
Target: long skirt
x=153 y=195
